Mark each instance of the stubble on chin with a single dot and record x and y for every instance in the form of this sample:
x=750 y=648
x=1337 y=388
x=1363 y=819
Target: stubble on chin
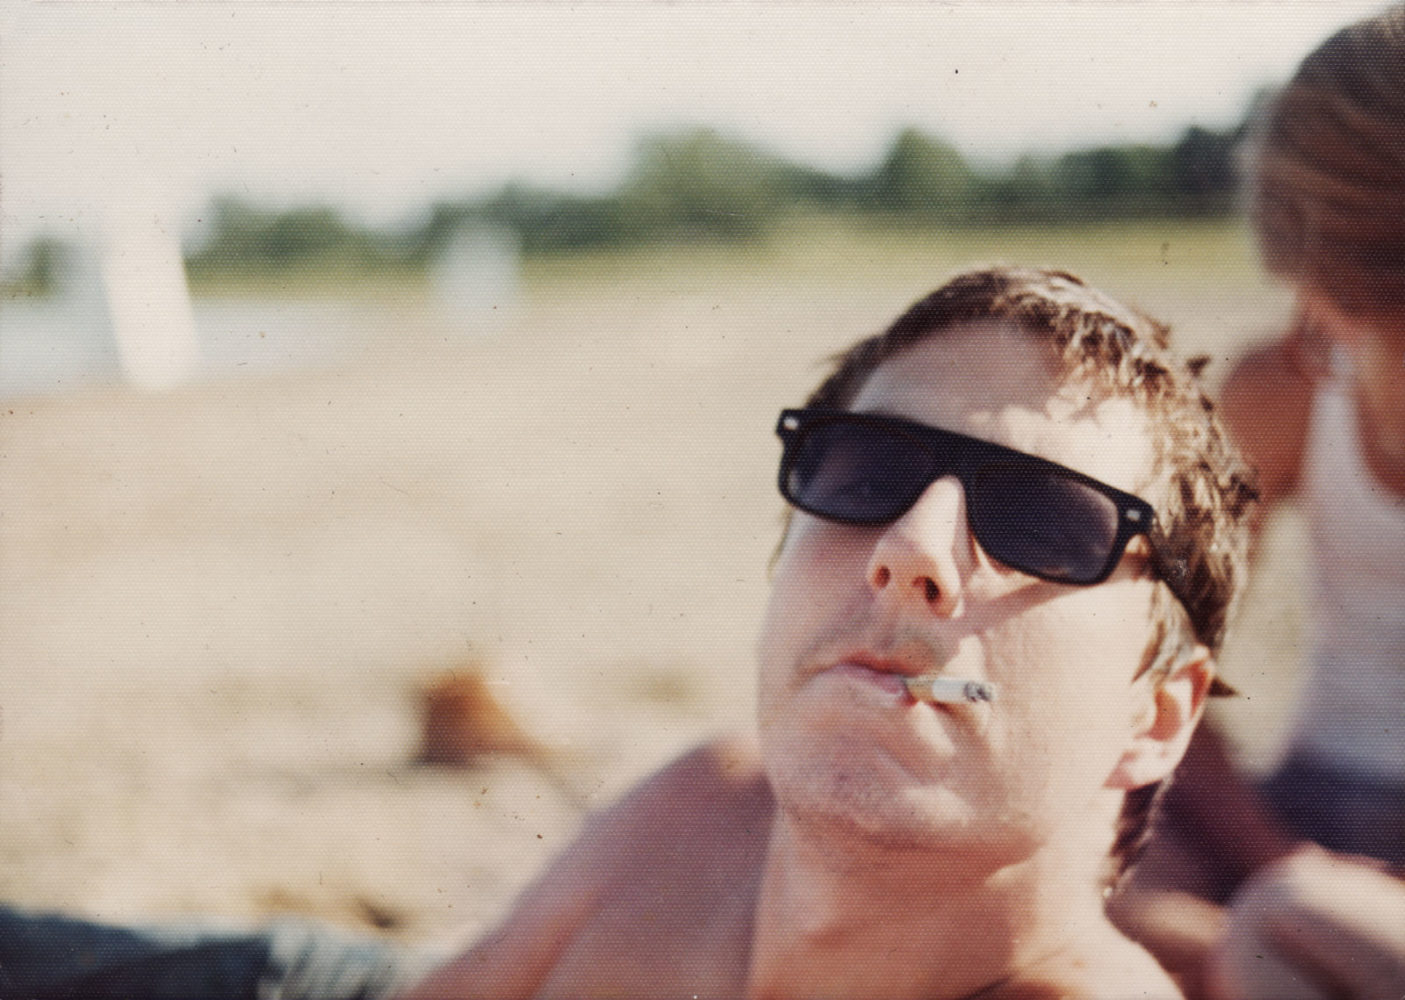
x=853 y=819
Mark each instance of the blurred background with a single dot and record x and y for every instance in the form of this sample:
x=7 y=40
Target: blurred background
x=354 y=355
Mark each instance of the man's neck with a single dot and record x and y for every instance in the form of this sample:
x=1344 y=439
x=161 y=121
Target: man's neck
x=837 y=919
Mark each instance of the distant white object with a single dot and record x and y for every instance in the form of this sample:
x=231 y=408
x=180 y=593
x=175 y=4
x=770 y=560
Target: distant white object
x=477 y=278
x=147 y=300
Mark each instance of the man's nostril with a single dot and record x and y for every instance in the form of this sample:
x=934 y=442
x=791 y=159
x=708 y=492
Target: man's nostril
x=932 y=590
x=882 y=576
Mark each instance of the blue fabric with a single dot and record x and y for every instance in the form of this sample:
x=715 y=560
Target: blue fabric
x=1342 y=811
x=53 y=957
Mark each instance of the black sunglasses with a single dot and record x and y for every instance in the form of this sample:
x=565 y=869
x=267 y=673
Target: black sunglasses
x=1031 y=514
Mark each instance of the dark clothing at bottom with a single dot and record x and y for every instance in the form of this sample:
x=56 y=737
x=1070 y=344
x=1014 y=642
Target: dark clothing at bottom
x=55 y=957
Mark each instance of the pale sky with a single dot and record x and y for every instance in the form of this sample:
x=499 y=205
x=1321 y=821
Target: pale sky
x=380 y=107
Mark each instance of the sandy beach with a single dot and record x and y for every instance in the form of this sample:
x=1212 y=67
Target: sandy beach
x=219 y=605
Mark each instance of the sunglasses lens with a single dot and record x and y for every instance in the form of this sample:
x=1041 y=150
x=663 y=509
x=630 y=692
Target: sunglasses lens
x=857 y=473
x=1048 y=525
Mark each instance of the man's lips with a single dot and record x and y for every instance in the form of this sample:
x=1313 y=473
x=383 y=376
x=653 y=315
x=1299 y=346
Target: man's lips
x=900 y=666
x=933 y=690
x=861 y=673
x=888 y=673
x=912 y=671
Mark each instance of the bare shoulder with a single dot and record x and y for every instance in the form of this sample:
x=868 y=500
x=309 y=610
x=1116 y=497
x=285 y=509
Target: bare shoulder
x=680 y=851
x=683 y=855
x=717 y=788
x=1110 y=968
x=1266 y=401
x=724 y=774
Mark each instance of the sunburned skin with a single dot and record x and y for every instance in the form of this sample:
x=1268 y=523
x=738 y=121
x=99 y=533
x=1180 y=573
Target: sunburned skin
x=948 y=690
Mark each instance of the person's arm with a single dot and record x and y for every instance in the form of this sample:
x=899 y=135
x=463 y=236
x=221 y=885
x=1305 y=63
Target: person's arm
x=1266 y=403
x=1312 y=926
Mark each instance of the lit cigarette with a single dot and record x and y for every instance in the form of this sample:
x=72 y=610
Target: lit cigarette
x=949 y=690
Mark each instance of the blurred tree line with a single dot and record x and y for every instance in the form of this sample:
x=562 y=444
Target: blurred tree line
x=698 y=184
x=40 y=269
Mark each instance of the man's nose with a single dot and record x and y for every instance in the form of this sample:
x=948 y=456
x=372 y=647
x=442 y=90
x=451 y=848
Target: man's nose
x=919 y=558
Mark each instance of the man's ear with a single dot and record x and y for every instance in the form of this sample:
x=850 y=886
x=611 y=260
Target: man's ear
x=1167 y=719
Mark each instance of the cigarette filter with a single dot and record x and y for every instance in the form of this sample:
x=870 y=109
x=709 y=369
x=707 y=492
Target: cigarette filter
x=949 y=690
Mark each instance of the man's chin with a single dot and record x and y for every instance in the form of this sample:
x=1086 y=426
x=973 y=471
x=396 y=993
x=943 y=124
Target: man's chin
x=866 y=816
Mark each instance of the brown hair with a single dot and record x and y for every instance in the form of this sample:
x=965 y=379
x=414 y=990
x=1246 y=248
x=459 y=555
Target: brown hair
x=1327 y=190
x=1200 y=543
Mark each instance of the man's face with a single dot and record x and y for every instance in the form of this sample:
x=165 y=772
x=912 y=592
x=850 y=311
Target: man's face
x=852 y=609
